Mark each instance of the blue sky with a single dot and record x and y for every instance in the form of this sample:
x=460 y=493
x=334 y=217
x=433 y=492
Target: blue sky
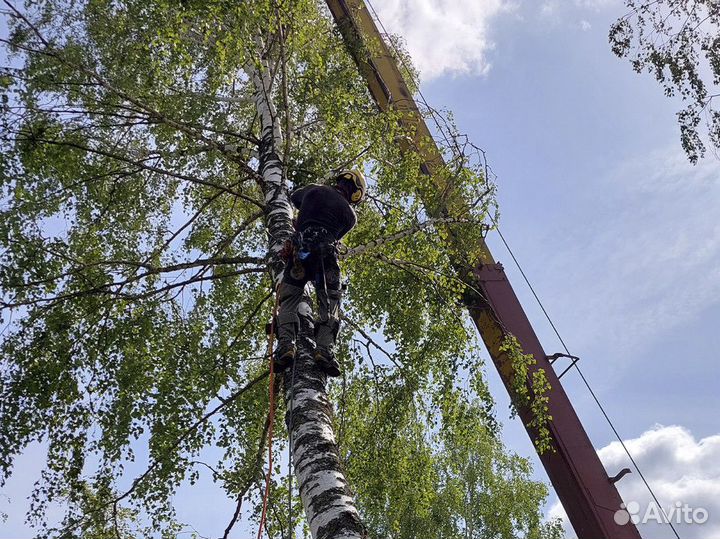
x=616 y=230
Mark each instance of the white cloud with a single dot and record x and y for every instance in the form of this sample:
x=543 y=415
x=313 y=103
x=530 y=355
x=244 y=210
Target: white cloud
x=646 y=248
x=561 y=12
x=443 y=36
x=549 y=7
x=597 y=4
x=680 y=470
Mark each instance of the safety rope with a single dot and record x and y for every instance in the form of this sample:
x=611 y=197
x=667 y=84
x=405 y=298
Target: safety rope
x=271 y=415
x=290 y=451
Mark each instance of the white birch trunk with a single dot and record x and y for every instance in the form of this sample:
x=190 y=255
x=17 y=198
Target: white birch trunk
x=329 y=506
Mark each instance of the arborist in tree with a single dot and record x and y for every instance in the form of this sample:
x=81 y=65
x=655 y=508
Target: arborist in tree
x=325 y=215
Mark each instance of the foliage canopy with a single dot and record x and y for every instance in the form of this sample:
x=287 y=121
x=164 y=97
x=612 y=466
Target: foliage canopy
x=135 y=287
x=678 y=41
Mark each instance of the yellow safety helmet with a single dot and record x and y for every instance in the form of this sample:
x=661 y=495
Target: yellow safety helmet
x=358 y=180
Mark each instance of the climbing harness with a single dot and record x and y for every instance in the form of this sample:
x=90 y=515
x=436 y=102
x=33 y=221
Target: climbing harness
x=314 y=240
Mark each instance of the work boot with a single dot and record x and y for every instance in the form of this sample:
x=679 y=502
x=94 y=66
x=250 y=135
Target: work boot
x=327 y=362
x=283 y=357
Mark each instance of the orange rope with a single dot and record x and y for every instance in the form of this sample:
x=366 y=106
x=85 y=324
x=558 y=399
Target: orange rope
x=271 y=416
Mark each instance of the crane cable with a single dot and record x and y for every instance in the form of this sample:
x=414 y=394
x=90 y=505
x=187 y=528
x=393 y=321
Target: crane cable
x=271 y=416
x=585 y=381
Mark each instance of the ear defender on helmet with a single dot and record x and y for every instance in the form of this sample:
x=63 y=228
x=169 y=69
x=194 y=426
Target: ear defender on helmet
x=358 y=181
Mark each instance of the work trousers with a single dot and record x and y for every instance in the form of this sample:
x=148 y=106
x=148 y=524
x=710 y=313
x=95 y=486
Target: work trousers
x=314 y=259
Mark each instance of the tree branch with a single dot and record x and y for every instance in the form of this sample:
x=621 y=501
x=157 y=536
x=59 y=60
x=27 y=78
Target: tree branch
x=361 y=249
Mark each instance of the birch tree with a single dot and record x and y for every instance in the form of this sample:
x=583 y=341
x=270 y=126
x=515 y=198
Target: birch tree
x=678 y=42
x=147 y=154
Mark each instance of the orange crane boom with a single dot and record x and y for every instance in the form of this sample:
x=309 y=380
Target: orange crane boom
x=586 y=492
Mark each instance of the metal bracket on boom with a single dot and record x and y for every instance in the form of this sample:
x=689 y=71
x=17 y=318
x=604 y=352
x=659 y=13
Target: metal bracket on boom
x=620 y=475
x=574 y=359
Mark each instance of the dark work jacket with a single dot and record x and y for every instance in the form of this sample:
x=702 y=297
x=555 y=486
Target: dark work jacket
x=324 y=206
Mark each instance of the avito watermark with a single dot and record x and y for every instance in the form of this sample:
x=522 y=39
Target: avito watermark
x=678 y=513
